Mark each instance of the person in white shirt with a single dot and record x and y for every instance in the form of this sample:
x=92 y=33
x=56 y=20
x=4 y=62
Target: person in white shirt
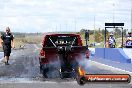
x=129 y=40
x=112 y=41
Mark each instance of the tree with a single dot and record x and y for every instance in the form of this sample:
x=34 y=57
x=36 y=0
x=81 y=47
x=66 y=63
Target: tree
x=82 y=31
x=99 y=36
x=124 y=32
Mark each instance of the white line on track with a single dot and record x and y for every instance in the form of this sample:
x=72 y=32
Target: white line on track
x=110 y=67
x=26 y=80
x=36 y=47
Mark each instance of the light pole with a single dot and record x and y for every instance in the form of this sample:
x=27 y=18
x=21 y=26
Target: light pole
x=113 y=12
x=60 y=27
x=94 y=28
x=75 y=23
x=66 y=27
x=131 y=15
x=56 y=29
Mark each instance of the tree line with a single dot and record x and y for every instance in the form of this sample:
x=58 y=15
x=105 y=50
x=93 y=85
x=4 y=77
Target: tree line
x=100 y=33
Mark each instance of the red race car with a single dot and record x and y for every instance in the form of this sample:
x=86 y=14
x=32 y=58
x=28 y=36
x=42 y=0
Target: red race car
x=61 y=52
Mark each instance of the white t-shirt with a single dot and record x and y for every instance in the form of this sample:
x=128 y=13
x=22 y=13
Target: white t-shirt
x=111 y=40
x=129 y=41
x=129 y=38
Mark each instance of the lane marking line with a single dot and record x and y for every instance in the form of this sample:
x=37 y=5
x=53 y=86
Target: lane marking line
x=111 y=67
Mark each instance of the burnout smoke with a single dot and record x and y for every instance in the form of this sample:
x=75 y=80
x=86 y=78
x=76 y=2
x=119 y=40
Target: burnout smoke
x=54 y=68
x=84 y=62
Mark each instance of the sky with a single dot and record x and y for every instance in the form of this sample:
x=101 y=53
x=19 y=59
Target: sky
x=62 y=15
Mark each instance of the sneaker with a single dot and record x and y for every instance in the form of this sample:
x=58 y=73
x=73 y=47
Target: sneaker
x=7 y=63
x=3 y=60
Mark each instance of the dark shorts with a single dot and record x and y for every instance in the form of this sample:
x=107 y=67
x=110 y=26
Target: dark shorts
x=7 y=50
x=111 y=46
x=128 y=46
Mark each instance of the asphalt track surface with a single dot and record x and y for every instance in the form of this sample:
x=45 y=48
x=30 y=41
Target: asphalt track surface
x=23 y=72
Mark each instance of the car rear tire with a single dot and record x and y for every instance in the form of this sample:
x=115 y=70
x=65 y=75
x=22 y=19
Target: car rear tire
x=45 y=73
x=44 y=70
x=81 y=81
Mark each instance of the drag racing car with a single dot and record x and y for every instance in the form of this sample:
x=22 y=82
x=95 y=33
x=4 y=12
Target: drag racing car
x=62 y=52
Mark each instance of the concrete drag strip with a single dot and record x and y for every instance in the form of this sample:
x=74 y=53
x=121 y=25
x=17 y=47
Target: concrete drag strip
x=1 y=56
x=31 y=80
x=24 y=72
x=37 y=47
x=110 y=68
x=107 y=67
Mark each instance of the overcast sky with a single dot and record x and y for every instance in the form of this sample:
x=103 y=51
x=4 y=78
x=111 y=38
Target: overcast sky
x=62 y=15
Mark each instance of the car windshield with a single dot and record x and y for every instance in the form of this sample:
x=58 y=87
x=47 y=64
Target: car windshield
x=61 y=41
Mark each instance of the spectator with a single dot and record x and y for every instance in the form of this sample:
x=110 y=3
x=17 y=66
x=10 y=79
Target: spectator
x=129 y=40
x=7 y=43
x=112 y=41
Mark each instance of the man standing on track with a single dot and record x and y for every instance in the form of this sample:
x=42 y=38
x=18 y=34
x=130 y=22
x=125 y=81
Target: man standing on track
x=7 y=43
